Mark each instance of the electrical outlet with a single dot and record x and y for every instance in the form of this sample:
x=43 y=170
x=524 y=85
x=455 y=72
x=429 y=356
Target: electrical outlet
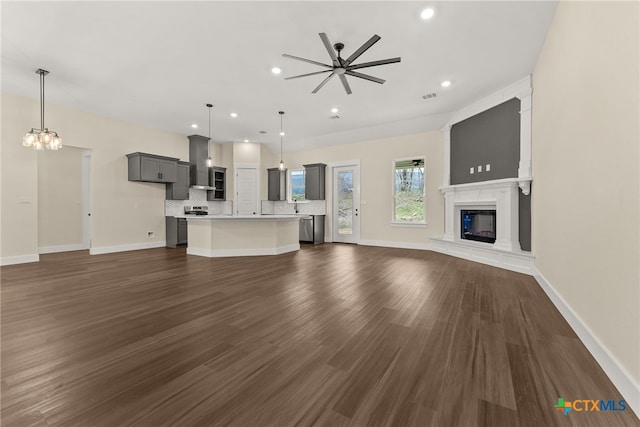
x=487 y=168
x=471 y=170
x=150 y=234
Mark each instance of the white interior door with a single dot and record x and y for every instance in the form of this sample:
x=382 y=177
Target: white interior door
x=346 y=204
x=86 y=199
x=246 y=191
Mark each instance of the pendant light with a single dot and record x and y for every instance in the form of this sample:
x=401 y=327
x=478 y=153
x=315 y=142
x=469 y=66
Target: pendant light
x=281 y=166
x=43 y=138
x=209 y=159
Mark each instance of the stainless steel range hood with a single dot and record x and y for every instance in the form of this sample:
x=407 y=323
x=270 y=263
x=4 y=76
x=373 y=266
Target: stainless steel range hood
x=198 y=155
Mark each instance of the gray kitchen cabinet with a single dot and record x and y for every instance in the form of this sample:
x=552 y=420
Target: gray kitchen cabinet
x=179 y=190
x=217 y=180
x=176 y=229
x=314 y=181
x=152 y=168
x=277 y=184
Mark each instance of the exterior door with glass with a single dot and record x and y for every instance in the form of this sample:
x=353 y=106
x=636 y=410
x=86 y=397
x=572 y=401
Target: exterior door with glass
x=346 y=204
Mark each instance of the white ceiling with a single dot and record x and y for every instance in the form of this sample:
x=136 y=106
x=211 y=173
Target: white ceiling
x=158 y=63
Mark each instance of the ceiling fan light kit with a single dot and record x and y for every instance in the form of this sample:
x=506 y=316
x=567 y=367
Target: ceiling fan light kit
x=343 y=67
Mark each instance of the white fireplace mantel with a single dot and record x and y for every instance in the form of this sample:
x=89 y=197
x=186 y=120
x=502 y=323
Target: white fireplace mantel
x=501 y=195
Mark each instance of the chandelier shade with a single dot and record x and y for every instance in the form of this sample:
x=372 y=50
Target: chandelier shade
x=43 y=138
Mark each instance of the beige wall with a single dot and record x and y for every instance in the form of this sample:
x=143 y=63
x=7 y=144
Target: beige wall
x=122 y=211
x=585 y=165
x=60 y=197
x=376 y=180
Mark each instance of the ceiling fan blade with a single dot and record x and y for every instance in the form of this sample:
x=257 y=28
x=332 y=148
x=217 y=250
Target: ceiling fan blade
x=305 y=75
x=362 y=49
x=306 y=60
x=374 y=63
x=329 y=47
x=345 y=84
x=365 y=76
x=324 y=82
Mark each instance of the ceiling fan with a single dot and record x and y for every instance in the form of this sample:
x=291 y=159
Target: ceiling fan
x=343 y=67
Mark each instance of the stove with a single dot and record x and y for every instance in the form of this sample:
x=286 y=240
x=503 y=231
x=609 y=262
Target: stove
x=196 y=210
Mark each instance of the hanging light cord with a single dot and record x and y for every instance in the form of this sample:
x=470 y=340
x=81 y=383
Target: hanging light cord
x=42 y=100
x=281 y=114
x=209 y=106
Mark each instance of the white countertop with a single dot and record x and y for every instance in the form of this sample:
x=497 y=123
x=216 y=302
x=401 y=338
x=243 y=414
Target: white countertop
x=240 y=217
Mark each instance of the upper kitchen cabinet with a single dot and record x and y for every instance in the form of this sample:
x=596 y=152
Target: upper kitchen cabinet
x=217 y=180
x=152 y=168
x=314 y=181
x=277 y=184
x=179 y=190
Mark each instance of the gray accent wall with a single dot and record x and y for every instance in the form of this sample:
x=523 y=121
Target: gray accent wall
x=524 y=218
x=491 y=137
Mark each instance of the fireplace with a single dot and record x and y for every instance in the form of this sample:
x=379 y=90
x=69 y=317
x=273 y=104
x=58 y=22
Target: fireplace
x=478 y=225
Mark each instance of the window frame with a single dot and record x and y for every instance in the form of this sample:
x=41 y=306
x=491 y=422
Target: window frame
x=394 y=222
x=290 y=187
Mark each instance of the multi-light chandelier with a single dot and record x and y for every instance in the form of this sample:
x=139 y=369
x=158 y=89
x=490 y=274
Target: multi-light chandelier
x=43 y=138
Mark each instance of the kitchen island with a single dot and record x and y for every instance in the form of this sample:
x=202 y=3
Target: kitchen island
x=250 y=235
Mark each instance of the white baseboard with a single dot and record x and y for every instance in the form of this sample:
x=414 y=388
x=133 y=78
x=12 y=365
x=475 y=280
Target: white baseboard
x=218 y=253
x=618 y=375
x=399 y=245
x=20 y=259
x=124 y=248
x=61 y=248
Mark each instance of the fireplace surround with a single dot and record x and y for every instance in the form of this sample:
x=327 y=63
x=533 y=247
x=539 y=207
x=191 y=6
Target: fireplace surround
x=500 y=195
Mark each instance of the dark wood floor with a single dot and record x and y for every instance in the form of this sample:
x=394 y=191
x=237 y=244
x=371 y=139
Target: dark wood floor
x=331 y=335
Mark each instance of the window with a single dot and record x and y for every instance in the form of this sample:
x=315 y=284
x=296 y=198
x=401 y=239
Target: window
x=296 y=185
x=408 y=191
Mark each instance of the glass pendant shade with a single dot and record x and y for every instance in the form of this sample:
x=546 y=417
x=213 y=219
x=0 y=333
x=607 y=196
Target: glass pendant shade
x=43 y=138
x=209 y=159
x=281 y=165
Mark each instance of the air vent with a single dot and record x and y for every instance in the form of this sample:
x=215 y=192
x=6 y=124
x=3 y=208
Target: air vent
x=334 y=117
x=429 y=95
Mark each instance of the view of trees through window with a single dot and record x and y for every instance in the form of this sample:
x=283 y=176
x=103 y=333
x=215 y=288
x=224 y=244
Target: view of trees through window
x=345 y=203
x=297 y=185
x=409 y=191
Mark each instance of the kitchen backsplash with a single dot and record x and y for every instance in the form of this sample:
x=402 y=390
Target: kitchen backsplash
x=199 y=198
x=311 y=207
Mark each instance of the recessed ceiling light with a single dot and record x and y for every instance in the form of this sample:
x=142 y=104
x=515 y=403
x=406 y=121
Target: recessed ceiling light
x=445 y=83
x=234 y=115
x=195 y=126
x=246 y=140
x=281 y=133
x=427 y=13
x=276 y=70
x=334 y=110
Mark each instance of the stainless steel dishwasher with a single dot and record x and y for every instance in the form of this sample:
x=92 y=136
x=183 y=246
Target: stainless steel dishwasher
x=306 y=229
